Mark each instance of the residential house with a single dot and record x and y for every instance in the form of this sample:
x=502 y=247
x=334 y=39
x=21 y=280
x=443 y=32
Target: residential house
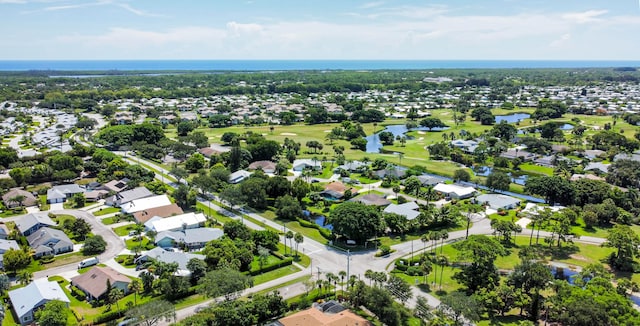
x=410 y=210
x=116 y=185
x=335 y=190
x=329 y=313
x=351 y=166
x=624 y=156
x=267 y=167
x=9 y=202
x=30 y=223
x=430 y=180
x=547 y=161
x=167 y=119
x=48 y=241
x=127 y=196
x=394 y=173
x=6 y=245
x=28 y=299
x=238 y=176
x=180 y=258
x=188 y=116
x=597 y=167
x=60 y=193
x=191 y=238
x=208 y=151
x=497 y=201
x=512 y=153
x=592 y=153
x=302 y=164
x=4 y=232
x=145 y=203
x=176 y=222
x=94 y=282
x=455 y=191
x=467 y=146
x=576 y=177
x=95 y=195
x=162 y=211
x=371 y=200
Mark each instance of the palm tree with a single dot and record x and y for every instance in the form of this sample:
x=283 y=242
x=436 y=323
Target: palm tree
x=369 y=274
x=471 y=209
x=114 y=295
x=135 y=286
x=424 y=238
x=288 y=236
x=444 y=235
x=25 y=277
x=342 y=275
x=331 y=278
x=442 y=261
x=18 y=199
x=426 y=269
x=298 y=238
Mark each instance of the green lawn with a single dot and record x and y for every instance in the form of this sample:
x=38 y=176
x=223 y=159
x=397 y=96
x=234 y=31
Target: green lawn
x=105 y=211
x=146 y=243
x=275 y=274
x=537 y=169
x=60 y=260
x=124 y=229
x=108 y=220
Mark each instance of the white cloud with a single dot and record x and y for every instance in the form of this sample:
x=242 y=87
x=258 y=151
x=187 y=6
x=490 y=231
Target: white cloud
x=589 y=16
x=13 y=1
x=373 y=4
x=564 y=38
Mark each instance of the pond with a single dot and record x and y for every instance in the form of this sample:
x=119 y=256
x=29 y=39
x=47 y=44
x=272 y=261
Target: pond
x=373 y=141
x=319 y=220
x=566 y=126
x=484 y=171
x=562 y=273
x=512 y=118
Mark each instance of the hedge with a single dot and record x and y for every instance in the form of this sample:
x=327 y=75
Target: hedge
x=270 y=267
x=109 y=316
x=323 y=232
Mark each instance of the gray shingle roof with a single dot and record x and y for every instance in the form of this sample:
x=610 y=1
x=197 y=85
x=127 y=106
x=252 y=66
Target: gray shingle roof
x=28 y=221
x=37 y=292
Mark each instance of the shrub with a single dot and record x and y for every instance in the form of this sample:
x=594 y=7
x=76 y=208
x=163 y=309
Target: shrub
x=385 y=250
x=109 y=316
x=270 y=267
x=414 y=271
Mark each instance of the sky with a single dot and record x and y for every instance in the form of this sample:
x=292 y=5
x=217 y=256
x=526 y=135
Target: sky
x=320 y=30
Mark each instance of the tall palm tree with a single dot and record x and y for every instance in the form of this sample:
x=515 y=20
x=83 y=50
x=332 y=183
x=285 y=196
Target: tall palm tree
x=288 y=236
x=369 y=275
x=298 y=238
x=442 y=261
x=444 y=235
x=342 y=275
x=135 y=286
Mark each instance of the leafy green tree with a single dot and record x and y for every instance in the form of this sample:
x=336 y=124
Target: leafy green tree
x=396 y=223
x=356 y=221
x=554 y=189
x=224 y=282
x=498 y=181
x=135 y=287
x=432 y=122
x=626 y=242
x=184 y=196
x=532 y=277
x=14 y=260
x=5 y=283
x=94 y=245
x=151 y=313
x=461 y=175
x=185 y=127
x=504 y=131
x=195 y=162
x=399 y=288
x=254 y=190
x=266 y=238
x=198 y=269
x=481 y=251
x=462 y=307
x=288 y=208
x=54 y=313
x=237 y=230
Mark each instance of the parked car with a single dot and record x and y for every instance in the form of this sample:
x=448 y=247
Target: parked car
x=88 y=262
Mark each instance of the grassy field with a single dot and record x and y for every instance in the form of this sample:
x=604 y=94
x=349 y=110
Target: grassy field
x=124 y=229
x=105 y=211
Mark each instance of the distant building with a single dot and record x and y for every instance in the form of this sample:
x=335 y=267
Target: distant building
x=496 y=201
x=29 y=198
x=410 y=210
x=302 y=164
x=455 y=191
x=371 y=200
x=59 y=194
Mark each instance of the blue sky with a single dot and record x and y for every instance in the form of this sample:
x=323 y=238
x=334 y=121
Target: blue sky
x=328 y=29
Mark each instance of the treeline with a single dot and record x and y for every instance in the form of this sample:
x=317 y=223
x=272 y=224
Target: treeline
x=31 y=87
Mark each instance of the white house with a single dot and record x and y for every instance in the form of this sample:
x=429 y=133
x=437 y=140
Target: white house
x=238 y=176
x=176 y=222
x=455 y=191
x=410 y=210
x=301 y=164
x=145 y=203
x=33 y=296
x=496 y=201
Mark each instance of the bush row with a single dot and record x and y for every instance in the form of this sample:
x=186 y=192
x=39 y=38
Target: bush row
x=270 y=267
x=323 y=232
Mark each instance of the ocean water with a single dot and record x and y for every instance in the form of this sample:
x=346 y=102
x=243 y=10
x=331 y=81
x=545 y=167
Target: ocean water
x=280 y=65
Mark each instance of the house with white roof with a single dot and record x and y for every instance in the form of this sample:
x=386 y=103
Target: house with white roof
x=497 y=201
x=180 y=258
x=410 y=210
x=145 y=203
x=455 y=191
x=33 y=296
x=238 y=176
x=301 y=164
x=59 y=194
x=191 y=238
x=176 y=222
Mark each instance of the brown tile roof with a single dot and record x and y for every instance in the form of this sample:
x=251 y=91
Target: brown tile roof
x=162 y=211
x=208 y=151
x=30 y=199
x=336 y=186
x=94 y=282
x=264 y=165
x=315 y=317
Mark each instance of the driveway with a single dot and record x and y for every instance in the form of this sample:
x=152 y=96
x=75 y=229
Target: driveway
x=56 y=207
